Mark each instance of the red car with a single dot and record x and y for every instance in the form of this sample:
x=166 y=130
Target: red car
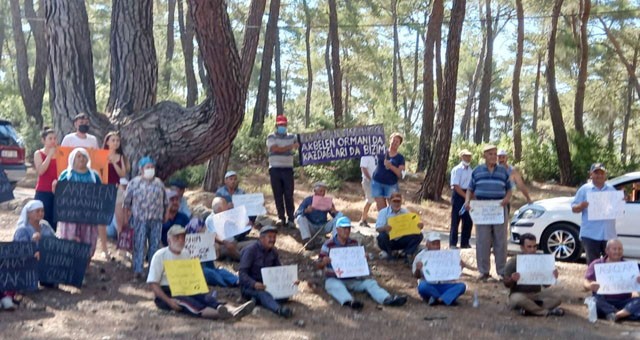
x=11 y=153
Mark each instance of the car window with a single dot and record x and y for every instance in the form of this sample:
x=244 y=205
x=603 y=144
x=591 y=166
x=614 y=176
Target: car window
x=8 y=135
x=631 y=191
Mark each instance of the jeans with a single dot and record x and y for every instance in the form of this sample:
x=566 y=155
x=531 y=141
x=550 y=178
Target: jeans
x=282 y=187
x=409 y=243
x=447 y=292
x=457 y=202
x=339 y=289
x=263 y=298
x=383 y=190
x=605 y=307
x=218 y=276
x=143 y=232
x=593 y=249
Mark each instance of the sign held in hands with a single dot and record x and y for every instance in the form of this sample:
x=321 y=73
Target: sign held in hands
x=18 y=266
x=617 y=277
x=349 y=262
x=607 y=205
x=231 y=222
x=88 y=203
x=402 y=225
x=253 y=203
x=487 y=212
x=536 y=269
x=63 y=261
x=331 y=145
x=280 y=281
x=441 y=265
x=322 y=203
x=201 y=246
x=185 y=277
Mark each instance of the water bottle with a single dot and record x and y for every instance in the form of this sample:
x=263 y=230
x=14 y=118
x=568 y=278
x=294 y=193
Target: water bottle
x=475 y=299
x=591 y=305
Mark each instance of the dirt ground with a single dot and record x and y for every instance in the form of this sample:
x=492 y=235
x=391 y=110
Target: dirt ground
x=121 y=309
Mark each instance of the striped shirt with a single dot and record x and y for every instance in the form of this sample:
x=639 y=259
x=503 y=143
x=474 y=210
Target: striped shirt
x=280 y=159
x=326 y=248
x=487 y=185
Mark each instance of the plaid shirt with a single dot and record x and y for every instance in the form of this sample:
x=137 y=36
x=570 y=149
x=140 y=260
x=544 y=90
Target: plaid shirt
x=326 y=248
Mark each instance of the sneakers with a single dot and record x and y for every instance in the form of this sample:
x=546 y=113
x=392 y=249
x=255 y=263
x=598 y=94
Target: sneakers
x=354 y=304
x=285 y=312
x=557 y=312
x=243 y=310
x=395 y=300
x=223 y=313
x=7 y=303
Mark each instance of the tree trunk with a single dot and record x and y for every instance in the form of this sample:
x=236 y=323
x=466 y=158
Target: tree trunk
x=168 y=56
x=416 y=55
x=465 y=124
x=335 y=64
x=555 y=111
x=515 y=88
x=396 y=49
x=628 y=111
x=279 y=100
x=428 y=107
x=307 y=45
x=536 y=90
x=186 y=41
x=3 y=24
x=434 y=179
x=621 y=56
x=583 y=48
x=327 y=64
x=481 y=133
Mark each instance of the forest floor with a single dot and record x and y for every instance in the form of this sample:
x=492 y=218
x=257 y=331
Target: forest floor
x=122 y=309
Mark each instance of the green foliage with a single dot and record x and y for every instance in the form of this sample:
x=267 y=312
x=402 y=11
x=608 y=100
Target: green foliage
x=247 y=149
x=589 y=149
x=334 y=173
x=539 y=159
x=193 y=175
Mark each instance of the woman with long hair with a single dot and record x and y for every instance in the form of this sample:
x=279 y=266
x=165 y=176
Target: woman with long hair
x=118 y=169
x=44 y=161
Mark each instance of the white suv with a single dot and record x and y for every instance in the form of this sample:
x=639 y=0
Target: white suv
x=557 y=228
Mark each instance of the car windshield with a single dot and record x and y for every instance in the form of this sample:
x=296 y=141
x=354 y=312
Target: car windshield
x=8 y=135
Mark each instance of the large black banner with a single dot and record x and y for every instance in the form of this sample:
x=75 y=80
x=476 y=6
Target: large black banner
x=18 y=266
x=85 y=202
x=63 y=261
x=330 y=145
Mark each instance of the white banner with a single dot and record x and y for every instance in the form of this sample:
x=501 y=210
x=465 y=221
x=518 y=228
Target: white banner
x=617 y=277
x=487 y=212
x=605 y=205
x=349 y=262
x=441 y=265
x=253 y=203
x=280 y=281
x=201 y=246
x=536 y=269
x=231 y=222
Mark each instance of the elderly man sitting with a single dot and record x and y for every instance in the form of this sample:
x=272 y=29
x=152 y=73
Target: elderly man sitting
x=311 y=216
x=408 y=244
x=201 y=305
x=230 y=247
x=440 y=292
x=613 y=307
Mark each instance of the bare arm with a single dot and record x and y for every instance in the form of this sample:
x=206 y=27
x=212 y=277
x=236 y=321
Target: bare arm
x=278 y=149
x=520 y=184
x=41 y=165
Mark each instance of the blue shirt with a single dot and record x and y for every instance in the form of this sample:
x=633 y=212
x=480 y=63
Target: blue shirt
x=601 y=230
x=252 y=259
x=224 y=193
x=487 y=185
x=385 y=214
x=179 y=219
x=184 y=207
x=316 y=216
x=384 y=175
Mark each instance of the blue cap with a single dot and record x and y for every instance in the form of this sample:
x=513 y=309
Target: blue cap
x=343 y=222
x=144 y=161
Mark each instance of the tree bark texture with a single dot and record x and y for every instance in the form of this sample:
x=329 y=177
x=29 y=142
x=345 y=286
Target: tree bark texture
x=628 y=111
x=186 y=41
x=536 y=90
x=435 y=176
x=278 y=71
x=396 y=49
x=307 y=46
x=620 y=52
x=481 y=133
x=335 y=65
x=515 y=88
x=168 y=56
x=583 y=48
x=327 y=64
x=465 y=124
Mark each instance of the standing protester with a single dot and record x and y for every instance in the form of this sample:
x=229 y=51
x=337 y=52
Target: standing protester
x=389 y=168
x=281 y=146
x=490 y=182
x=81 y=138
x=460 y=179
x=514 y=175
x=367 y=167
x=44 y=161
x=146 y=199
x=118 y=168
x=594 y=234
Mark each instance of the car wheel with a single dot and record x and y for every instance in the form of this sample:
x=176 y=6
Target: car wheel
x=563 y=241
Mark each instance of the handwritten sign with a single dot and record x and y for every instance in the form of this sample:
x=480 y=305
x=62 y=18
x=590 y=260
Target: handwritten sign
x=607 y=205
x=185 y=277
x=253 y=203
x=402 y=225
x=487 y=212
x=99 y=161
x=349 y=262
x=536 y=269
x=280 y=280
x=617 y=277
x=89 y=203
x=322 y=203
x=441 y=265
x=201 y=246
x=18 y=266
x=231 y=222
x=6 y=189
x=63 y=261
x=330 y=145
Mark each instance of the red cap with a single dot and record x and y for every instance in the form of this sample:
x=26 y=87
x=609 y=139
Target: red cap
x=281 y=120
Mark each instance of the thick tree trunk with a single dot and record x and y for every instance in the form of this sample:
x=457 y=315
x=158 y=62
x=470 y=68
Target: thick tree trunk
x=583 y=48
x=515 y=88
x=186 y=41
x=276 y=56
x=327 y=64
x=396 y=49
x=555 y=111
x=536 y=90
x=434 y=179
x=335 y=65
x=168 y=56
x=481 y=133
x=307 y=45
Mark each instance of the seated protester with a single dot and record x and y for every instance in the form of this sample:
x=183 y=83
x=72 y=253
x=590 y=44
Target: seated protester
x=214 y=276
x=613 y=307
x=339 y=288
x=435 y=292
x=179 y=186
x=229 y=188
x=202 y=305
x=407 y=244
x=172 y=215
x=310 y=221
x=529 y=299
x=259 y=255
x=231 y=247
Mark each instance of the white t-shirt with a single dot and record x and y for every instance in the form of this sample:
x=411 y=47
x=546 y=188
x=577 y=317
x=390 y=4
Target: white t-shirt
x=72 y=140
x=156 y=268
x=369 y=163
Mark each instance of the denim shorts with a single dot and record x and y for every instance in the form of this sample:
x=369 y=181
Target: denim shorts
x=383 y=190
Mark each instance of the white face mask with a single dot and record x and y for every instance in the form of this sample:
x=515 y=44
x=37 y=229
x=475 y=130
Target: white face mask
x=149 y=173
x=465 y=163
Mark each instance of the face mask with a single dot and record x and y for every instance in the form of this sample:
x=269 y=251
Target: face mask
x=465 y=163
x=149 y=173
x=281 y=130
x=83 y=128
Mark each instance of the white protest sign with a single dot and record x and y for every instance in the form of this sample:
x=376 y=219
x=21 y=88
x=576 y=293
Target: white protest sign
x=617 y=277
x=201 y=246
x=280 y=281
x=536 y=269
x=231 y=222
x=607 y=205
x=349 y=262
x=253 y=203
x=441 y=265
x=487 y=212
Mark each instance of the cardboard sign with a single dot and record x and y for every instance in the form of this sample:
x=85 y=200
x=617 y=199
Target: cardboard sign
x=536 y=269
x=18 y=266
x=441 y=265
x=322 y=203
x=63 y=261
x=617 y=277
x=280 y=280
x=231 y=222
x=88 y=203
x=330 y=145
x=607 y=205
x=99 y=161
x=253 y=203
x=402 y=225
x=201 y=246
x=349 y=262
x=6 y=189
x=487 y=212
x=185 y=277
